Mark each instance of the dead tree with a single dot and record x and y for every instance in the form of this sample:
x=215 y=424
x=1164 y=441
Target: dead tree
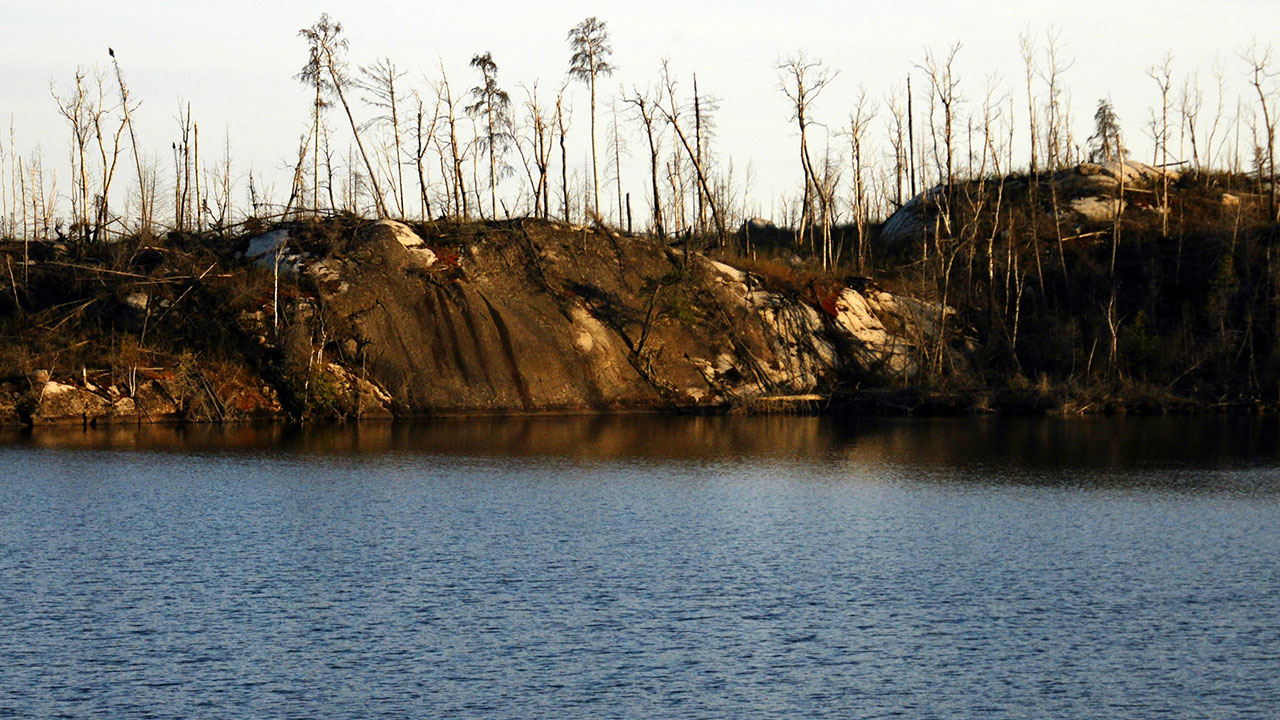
x=494 y=104
x=589 y=41
x=423 y=141
x=615 y=159
x=1162 y=74
x=943 y=85
x=1190 y=102
x=1260 y=73
x=459 y=194
x=859 y=121
x=1027 y=46
x=802 y=81
x=78 y=109
x=562 y=129
x=144 y=216
x=539 y=150
x=896 y=131
x=102 y=212
x=1219 y=74
x=325 y=39
x=646 y=109
x=704 y=108
x=1057 y=134
x=672 y=114
x=380 y=82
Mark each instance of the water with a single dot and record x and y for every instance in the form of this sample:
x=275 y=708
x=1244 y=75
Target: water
x=646 y=568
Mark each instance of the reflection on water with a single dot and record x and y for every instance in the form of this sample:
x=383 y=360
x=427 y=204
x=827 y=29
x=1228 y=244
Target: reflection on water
x=1043 y=443
x=648 y=567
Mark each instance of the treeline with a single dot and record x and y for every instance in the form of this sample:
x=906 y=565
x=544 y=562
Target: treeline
x=1173 y=288
x=377 y=144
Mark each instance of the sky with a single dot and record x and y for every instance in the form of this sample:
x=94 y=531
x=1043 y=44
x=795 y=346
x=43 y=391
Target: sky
x=235 y=62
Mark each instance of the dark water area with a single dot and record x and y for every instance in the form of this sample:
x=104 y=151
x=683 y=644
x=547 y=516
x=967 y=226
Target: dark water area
x=645 y=567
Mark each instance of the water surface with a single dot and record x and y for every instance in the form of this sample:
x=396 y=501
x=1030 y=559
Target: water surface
x=644 y=567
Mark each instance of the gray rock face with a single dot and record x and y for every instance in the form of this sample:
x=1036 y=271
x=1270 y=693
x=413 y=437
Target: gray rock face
x=484 y=337
x=1088 y=190
x=58 y=403
x=267 y=245
x=907 y=226
x=535 y=319
x=1097 y=209
x=1131 y=171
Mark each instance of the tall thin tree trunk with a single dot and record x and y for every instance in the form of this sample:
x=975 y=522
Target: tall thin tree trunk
x=595 y=164
x=355 y=130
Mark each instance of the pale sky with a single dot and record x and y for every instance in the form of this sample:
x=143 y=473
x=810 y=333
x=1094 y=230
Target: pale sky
x=234 y=62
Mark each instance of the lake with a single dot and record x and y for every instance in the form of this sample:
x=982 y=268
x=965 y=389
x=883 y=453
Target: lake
x=645 y=567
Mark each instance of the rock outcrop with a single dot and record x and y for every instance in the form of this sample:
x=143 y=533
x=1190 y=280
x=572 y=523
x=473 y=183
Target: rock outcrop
x=536 y=317
x=162 y=398
x=379 y=321
x=1086 y=193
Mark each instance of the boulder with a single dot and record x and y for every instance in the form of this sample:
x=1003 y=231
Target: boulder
x=271 y=243
x=906 y=226
x=153 y=404
x=1097 y=209
x=860 y=318
x=58 y=403
x=1107 y=175
x=272 y=249
x=392 y=230
x=365 y=399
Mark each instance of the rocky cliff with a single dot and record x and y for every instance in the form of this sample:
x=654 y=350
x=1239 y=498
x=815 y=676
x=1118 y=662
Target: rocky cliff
x=530 y=316
x=378 y=319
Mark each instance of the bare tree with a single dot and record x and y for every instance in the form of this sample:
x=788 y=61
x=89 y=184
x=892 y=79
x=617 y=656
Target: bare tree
x=380 y=82
x=1190 y=102
x=459 y=194
x=423 y=139
x=1220 y=78
x=896 y=131
x=672 y=114
x=145 y=201
x=77 y=107
x=589 y=41
x=1162 y=74
x=1027 y=45
x=298 y=185
x=1258 y=60
x=325 y=40
x=802 y=81
x=615 y=157
x=1057 y=133
x=541 y=135
x=495 y=104
x=222 y=185
x=562 y=129
x=182 y=168
x=859 y=120
x=646 y=109
x=944 y=84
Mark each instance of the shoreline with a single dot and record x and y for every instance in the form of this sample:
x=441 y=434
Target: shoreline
x=897 y=403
